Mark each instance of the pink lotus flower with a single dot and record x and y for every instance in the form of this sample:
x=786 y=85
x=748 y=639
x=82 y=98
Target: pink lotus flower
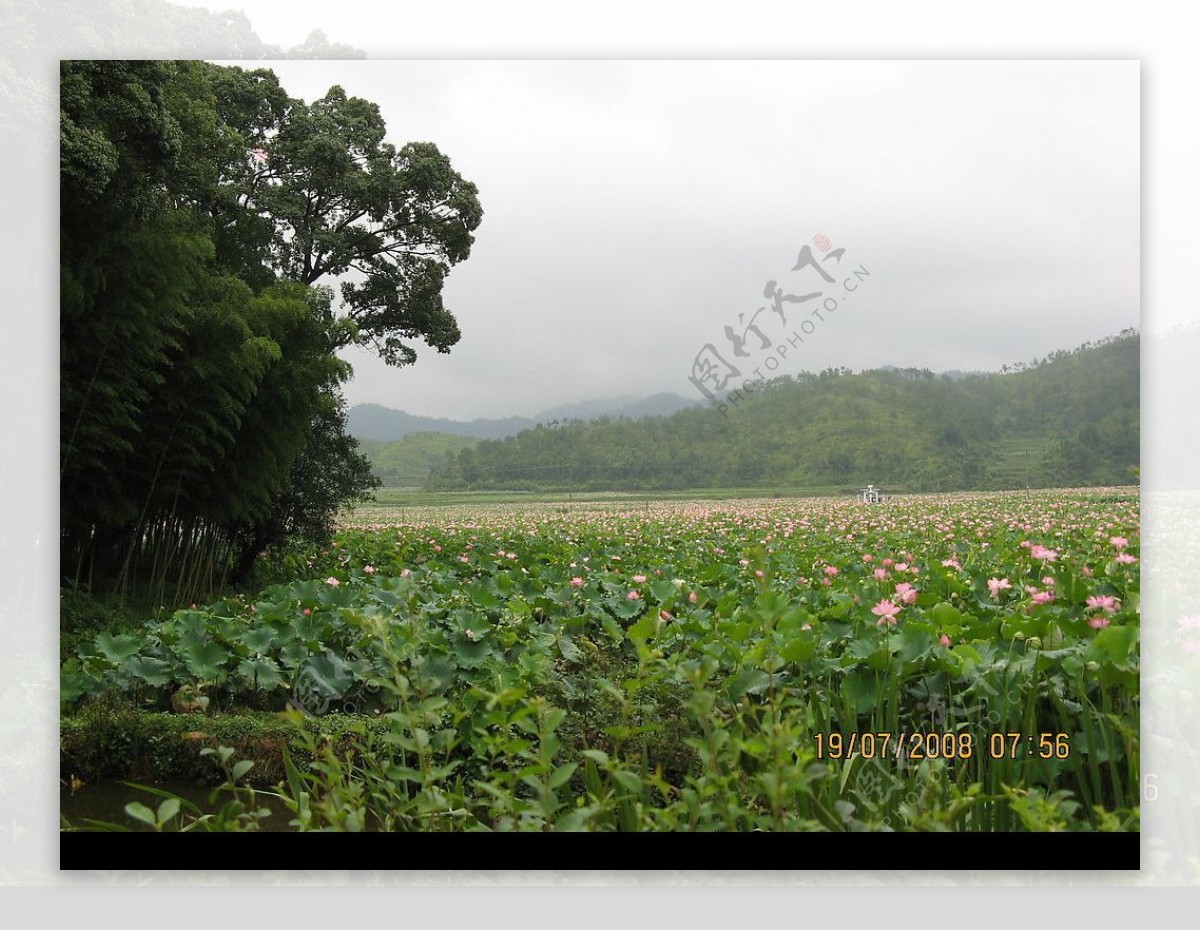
x=307 y=612
x=758 y=573
x=901 y=566
x=1041 y=552
x=692 y=598
x=463 y=559
x=906 y=593
x=633 y=596
x=886 y=611
x=888 y=563
x=332 y=581
x=830 y=571
x=1119 y=541
x=405 y=573
x=1105 y=602
x=638 y=579
x=1098 y=623
x=996 y=585
x=664 y=615
x=944 y=640
x=867 y=557
x=1087 y=571
x=1125 y=558
x=1043 y=597
x=576 y=582
x=881 y=573
x=369 y=569
x=948 y=563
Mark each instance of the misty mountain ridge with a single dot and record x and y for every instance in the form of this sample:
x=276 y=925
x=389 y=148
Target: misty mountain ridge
x=1068 y=420
x=386 y=424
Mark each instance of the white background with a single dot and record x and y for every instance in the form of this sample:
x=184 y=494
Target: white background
x=1162 y=36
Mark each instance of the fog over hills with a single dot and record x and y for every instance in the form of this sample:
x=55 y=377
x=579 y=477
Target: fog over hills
x=385 y=424
x=1070 y=419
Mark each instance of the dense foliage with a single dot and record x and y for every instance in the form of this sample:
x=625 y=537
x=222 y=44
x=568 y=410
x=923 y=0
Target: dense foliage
x=202 y=210
x=701 y=665
x=1070 y=420
x=407 y=462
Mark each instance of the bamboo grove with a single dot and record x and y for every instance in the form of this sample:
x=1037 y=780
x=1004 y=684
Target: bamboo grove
x=206 y=218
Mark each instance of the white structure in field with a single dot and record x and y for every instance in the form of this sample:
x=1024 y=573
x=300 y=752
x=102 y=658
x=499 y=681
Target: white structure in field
x=872 y=495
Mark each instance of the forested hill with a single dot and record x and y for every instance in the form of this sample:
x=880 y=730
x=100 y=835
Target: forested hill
x=1071 y=419
x=384 y=424
x=377 y=423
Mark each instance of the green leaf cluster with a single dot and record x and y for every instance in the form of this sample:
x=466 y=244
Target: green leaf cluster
x=203 y=211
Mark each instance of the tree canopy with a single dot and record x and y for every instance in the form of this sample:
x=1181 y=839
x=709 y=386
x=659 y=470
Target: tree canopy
x=205 y=218
x=324 y=195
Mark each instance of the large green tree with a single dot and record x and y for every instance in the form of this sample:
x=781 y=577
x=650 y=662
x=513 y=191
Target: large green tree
x=200 y=208
x=343 y=203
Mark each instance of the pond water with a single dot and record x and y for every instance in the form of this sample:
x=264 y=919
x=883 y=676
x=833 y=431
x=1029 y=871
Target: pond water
x=106 y=800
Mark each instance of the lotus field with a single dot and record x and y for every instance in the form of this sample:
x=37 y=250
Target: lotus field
x=955 y=662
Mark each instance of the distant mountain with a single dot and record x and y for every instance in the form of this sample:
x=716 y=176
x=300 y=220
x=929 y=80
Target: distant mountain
x=955 y=374
x=656 y=405
x=406 y=462
x=374 y=421
x=1068 y=420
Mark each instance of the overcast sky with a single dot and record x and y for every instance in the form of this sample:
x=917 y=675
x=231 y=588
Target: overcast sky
x=634 y=209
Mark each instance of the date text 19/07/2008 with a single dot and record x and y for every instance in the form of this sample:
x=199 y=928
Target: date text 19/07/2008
x=949 y=745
